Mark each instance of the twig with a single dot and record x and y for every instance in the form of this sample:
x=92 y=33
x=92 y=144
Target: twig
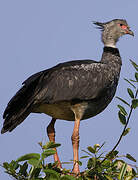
x=120 y=138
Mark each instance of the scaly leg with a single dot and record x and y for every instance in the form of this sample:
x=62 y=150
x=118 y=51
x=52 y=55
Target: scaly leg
x=75 y=143
x=51 y=136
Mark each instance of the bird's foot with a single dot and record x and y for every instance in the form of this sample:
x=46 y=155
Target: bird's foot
x=59 y=165
x=56 y=159
x=76 y=170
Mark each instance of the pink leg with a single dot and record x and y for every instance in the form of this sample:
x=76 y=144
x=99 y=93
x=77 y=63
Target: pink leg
x=75 y=143
x=51 y=136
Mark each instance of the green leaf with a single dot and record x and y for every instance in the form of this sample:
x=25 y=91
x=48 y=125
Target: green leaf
x=108 y=177
x=126 y=131
x=106 y=163
x=132 y=80
x=81 y=178
x=130 y=92
x=122 y=118
x=29 y=156
x=130 y=157
x=123 y=101
x=87 y=152
x=34 y=162
x=134 y=172
x=40 y=144
x=6 y=165
x=80 y=163
x=23 y=169
x=112 y=155
x=115 y=153
x=67 y=162
x=82 y=157
x=134 y=65
x=135 y=103
x=67 y=177
x=130 y=83
x=91 y=163
x=122 y=109
x=14 y=165
x=91 y=149
x=35 y=174
x=51 y=174
x=136 y=76
x=50 y=145
x=122 y=172
x=48 y=152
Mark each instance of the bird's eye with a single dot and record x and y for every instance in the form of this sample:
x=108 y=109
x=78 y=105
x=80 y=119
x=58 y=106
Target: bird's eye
x=123 y=26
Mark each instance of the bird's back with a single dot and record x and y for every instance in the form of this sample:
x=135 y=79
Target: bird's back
x=87 y=84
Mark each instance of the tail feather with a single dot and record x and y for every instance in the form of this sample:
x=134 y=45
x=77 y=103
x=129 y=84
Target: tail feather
x=14 y=121
x=21 y=105
x=17 y=110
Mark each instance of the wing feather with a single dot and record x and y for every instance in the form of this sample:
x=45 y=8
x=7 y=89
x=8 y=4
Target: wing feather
x=83 y=82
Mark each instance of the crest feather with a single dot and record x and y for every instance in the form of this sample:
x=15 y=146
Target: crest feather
x=99 y=25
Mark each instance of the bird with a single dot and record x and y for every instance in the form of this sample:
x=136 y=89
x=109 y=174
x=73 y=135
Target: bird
x=73 y=91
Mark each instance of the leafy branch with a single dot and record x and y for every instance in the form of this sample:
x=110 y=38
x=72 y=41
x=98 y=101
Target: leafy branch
x=122 y=112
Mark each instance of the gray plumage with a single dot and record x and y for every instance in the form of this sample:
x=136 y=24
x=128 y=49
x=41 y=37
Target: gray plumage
x=81 y=88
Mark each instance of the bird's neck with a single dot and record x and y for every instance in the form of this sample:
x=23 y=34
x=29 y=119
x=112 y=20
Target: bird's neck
x=111 y=56
x=109 y=38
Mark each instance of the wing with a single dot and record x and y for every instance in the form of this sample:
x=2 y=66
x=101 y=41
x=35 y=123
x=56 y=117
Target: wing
x=83 y=81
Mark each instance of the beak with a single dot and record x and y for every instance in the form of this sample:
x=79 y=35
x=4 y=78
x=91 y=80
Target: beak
x=130 y=32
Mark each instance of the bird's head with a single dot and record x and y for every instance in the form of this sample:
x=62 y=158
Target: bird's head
x=113 y=30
